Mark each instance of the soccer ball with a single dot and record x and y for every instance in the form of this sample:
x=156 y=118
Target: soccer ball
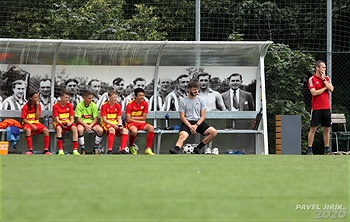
x=188 y=148
x=100 y=149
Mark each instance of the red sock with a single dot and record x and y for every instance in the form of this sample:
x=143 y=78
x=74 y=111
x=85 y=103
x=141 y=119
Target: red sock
x=149 y=138
x=132 y=140
x=123 y=141
x=46 y=142
x=110 y=140
x=75 y=145
x=29 y=142
x=60 y=144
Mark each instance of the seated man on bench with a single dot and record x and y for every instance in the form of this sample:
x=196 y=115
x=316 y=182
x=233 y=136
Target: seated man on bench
x=192 y=110
x=63 y=114
x=31 y=112
x=136 y=113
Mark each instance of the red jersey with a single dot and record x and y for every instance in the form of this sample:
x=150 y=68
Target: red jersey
x=110 y=112
x=63 y=112
x=137 y=110
x=29 y=114
x=320 y=101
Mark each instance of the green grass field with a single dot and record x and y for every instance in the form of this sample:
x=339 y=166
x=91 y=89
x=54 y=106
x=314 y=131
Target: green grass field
x=173 y=188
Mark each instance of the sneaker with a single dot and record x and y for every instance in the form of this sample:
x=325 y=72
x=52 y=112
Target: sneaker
x=75 y=152
x=82 y=152
x=95 y=150
x=29 y=152
x=172 y=151
x=124 y=151
x=133 y=150
x=208 y=151
x=60 y=152
x=148 y=151
x=309 y=152
x=199 y=150
x=46 y=152
x=328 y=152
x=109 y=151
x=215 y=151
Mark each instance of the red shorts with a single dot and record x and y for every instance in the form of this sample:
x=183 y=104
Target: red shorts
x=106 y=128
x=84 y=127
x=139 y=126
x=66 y=128
x=40 y=127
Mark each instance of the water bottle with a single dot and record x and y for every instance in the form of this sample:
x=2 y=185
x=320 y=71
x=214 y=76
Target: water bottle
x=123 y=121
x=50 y=122
x=46 y=121
x=167 y=121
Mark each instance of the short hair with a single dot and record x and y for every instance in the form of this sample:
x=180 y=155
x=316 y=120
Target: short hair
x=87 y=93
x=203 y=74
x=112 y=92
x=192 y=84
x=318 y=63
x=138 y=90
x=17 y=82
x=235 y=74
x=138 y=79
x=182 y=76
x=63 y=92
x=93 y=80
x=163 y=78
x=44 y=80
x=71 y=80
x=117 y=80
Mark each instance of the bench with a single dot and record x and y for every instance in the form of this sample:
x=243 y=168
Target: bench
x=158 y=117
x=16 y=114
x=340 y=133
x=212 y=115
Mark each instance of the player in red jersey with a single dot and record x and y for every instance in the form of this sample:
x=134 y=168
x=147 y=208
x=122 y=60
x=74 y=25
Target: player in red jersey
x=136 y=113
x=111 y=122
x=320 y=85
x=63 y=114
x=31 y=112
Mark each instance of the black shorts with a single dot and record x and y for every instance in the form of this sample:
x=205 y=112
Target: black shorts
x=322 y=116
x=200 y=129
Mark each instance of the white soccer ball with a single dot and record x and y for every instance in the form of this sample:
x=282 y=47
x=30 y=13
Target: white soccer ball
x=188 y=148
x=100 y=149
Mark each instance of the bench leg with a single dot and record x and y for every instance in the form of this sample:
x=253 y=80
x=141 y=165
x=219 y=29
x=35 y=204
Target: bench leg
x=159 y=142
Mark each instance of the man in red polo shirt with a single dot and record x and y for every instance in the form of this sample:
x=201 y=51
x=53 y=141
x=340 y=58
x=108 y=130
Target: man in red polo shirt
x=63 y=114
x=320 y=85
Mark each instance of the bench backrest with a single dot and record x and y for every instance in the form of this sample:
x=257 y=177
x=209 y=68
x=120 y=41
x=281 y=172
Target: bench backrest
x=339 y=118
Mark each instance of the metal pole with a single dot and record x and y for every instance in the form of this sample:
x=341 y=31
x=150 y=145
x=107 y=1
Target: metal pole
x=329 y=49
x=198 y=31
x=198 y=20
x=329 y=38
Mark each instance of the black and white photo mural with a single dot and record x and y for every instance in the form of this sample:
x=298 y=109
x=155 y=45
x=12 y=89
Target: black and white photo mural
x=223 y=88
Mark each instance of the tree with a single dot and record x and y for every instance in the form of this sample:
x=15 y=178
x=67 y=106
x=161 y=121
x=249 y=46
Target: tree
x=286 y=72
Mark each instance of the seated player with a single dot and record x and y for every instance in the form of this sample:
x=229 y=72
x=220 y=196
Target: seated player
x=111 y=121
x=136 y=113
x=87 y=117
x=31 y=112
x=63 y=114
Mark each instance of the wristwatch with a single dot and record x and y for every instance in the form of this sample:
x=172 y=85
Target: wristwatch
x=323 y=79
